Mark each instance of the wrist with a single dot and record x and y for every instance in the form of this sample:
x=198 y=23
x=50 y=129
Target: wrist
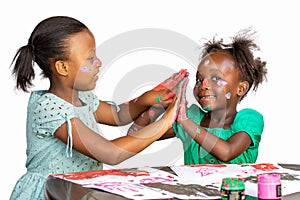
x=182 y=119
x=184 y=123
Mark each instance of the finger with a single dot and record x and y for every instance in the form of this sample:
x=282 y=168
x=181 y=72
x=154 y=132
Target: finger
x=164 y=98
x=182 y=107
x=175 y=103
x=178 y=78
x=186 y=81
x=165 y=84
x=172 y=81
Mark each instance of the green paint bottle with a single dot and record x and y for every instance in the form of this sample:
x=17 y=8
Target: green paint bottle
x=233 y=189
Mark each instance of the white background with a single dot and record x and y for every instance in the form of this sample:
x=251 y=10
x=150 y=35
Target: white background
x=277 y=23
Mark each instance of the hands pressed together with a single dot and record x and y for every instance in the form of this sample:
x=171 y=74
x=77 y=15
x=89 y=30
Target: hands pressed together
x=169 y=97
x=176 y=86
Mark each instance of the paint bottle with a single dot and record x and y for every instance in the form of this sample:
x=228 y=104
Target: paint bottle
x=233 y=189
x=269 y=186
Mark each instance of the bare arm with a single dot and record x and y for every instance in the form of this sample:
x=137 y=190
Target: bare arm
x=148 y=117
x=129 y=111
x=113 y=152
x=224 y=150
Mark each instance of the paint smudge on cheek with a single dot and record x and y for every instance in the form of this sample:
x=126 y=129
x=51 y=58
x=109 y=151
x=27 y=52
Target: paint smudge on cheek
x=221 y=83
x=85 y=69
x=228 y=95
x=207 y=108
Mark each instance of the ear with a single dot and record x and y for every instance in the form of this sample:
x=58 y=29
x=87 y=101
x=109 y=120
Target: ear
x=242 y=88
x=61 y=68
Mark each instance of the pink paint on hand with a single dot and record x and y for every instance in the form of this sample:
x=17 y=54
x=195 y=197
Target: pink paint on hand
x=160 y=87
x=183 y=71
x=171 y=96
x=172 y=81
x=151 y=113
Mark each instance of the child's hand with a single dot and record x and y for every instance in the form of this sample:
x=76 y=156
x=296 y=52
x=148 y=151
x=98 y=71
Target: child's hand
x=172 y=112
x=173 y=81
x=157 y=98
x=179 y=109
x=182 y=114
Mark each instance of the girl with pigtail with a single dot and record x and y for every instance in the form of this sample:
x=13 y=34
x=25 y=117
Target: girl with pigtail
x=62 y=132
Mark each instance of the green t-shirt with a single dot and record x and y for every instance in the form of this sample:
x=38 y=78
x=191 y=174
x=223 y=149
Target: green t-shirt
x=247 y=120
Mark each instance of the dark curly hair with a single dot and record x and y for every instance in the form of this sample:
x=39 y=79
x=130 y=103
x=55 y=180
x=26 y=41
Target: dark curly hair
x=242 y=48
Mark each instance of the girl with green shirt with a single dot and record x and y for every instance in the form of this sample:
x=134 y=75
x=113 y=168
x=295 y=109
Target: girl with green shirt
x=215 y=131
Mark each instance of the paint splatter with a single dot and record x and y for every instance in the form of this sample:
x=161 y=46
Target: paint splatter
x=183 y=189
x=96 y=62
x=151 y=113
x=97 y=173
x=228 y=95
x=206 y=62
x=204 y=83
x=171 y=95
x=85 y=69
x=207 y=107
x=221 y=83
x=158 y=99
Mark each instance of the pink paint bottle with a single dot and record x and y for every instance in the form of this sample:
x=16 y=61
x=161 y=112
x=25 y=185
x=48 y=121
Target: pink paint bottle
x=269 y=186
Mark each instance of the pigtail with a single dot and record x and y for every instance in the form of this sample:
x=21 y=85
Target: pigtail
x=213 y=45
x=23 y=70
x=243 y=47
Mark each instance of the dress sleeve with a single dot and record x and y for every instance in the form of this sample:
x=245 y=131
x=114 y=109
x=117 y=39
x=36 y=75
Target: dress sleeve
x=91 y=99
x=251 y=122
x=48 y=115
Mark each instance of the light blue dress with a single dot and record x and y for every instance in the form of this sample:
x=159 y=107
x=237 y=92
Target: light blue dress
x=45 y=153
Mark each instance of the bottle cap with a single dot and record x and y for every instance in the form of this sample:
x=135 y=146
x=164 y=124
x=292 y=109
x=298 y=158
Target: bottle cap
x=233 y=184
x=269 y=178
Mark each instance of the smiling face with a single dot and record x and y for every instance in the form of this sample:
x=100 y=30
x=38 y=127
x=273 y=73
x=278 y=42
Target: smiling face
x=84 y=64
x=218 y=85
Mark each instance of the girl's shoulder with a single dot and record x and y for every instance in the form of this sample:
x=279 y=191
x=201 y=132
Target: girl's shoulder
x=41 y=98
x=248 y=120
x=249 y=112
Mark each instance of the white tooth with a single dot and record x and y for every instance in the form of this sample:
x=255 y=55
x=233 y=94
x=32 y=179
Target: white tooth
x=208 y=97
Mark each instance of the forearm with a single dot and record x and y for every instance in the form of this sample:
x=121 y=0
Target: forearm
x=129 y=111
x=130 y=145
x=146 y=118
x=211 y=143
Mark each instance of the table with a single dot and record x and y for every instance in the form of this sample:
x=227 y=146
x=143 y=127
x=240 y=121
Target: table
x=59 y=189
